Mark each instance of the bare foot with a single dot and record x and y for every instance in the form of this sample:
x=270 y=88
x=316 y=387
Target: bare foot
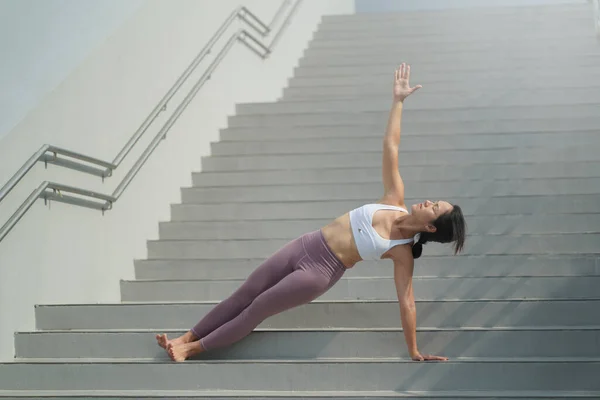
x=162 y=340
x=183 y=351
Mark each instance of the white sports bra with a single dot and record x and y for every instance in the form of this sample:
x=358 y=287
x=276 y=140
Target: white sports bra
x=370 y=245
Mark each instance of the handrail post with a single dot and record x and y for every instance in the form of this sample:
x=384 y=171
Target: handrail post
x=263 y=30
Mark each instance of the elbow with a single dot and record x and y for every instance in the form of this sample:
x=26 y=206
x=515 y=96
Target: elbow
x=391 y=144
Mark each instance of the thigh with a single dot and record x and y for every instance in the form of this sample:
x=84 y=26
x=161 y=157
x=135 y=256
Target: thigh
x=273 y=270
x=299 y=287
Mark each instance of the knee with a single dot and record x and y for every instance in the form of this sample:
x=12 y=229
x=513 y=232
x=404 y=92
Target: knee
x=245 y=294
x=250 y=318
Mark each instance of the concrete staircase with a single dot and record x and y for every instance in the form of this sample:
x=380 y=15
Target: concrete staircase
x=507 y=125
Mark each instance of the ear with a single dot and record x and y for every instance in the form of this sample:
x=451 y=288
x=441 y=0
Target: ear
x=430 y=228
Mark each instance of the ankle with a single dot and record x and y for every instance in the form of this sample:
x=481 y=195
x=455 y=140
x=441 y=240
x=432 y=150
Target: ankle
x=189 y=337
x=195 y=347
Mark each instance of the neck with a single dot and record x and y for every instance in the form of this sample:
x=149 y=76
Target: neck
x=409 y=226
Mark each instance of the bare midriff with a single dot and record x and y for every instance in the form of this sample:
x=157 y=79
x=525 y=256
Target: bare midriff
x=338 y=236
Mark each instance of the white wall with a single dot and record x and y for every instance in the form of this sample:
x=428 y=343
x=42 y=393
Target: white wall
x=74 y=255
x=42 y=41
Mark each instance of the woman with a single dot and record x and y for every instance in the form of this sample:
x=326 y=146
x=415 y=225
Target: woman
x=308 y=266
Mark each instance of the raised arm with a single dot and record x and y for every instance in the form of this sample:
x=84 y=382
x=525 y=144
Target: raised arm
x=403 y=273
x=392 y=181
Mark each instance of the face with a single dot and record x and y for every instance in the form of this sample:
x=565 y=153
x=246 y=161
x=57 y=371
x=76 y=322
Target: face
x=429 y=211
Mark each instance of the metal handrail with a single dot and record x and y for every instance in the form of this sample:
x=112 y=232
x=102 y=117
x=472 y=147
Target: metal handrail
x=49 y=154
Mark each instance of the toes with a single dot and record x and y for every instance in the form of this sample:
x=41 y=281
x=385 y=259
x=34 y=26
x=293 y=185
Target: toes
x=174 y=354
x=171 y=351
x=162 y=340
x=171 y=354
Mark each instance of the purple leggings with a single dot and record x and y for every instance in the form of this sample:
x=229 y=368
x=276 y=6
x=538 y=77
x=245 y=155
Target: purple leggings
x=301 y=271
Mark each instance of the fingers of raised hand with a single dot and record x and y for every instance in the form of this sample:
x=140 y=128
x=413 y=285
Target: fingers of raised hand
x=435 y=358
x=399 y=74
x=415 y=88
x=403 y=72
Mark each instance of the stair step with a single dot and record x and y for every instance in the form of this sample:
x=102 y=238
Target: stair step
x=470 y=65
x=526 y=105
x=588 y=243
x=323 y=343
x=488 y=29
x=502 y=41
x=378 y=116
x=356 y=191
x=566 y=46
x=318 y=314
x=278 y=395
x=511 y=129
x=378 y=288
x=304 y=91
x=441 y=158
x=550 y=51
x=414 y=174
x=482 y=30
x=413 y=143
x=384 y=374
x=464 y=13
x=449 y=266
x=530 y=132
x=260 y=211
x=456 y=21
x=438 y=82
x=291 y=229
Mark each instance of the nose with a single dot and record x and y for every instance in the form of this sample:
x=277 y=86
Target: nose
x=428 y=203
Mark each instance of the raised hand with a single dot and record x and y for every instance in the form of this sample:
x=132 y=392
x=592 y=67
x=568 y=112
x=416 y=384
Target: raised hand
x=402 y=87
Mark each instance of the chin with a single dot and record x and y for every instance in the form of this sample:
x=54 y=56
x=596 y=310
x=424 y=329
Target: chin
x=413 y=208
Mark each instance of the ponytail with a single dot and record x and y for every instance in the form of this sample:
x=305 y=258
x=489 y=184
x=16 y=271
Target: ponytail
x=450 y=227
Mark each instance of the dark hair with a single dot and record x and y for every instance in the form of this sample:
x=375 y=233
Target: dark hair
x=450 y=227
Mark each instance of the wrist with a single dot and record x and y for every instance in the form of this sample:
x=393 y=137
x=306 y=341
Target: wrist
x=398 y=102
x=413 y=349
